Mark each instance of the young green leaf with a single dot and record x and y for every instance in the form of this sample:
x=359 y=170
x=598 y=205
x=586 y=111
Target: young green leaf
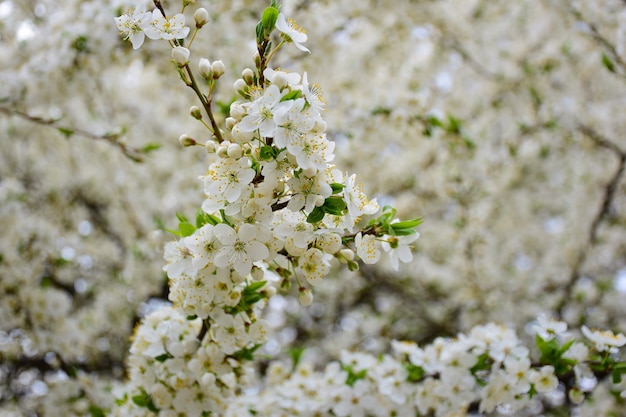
x=316 y=216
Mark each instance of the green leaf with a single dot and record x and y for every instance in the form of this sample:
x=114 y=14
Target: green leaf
x=608 y=64
x=616 y=375
x=549 y=351
x=174 y=232
x=385 y=111
x=407 y=224
x=292 y=95
x=260 y=33
x=353 y=376
x=316 y=216
x=255 y=286
x=46 y=282
x=163 y=357
x=296 y=355
x=67 y=132
x=482 y=363
x=96 y=411
x=353 y=266
x=246 y=353
x=186 y=229
x=566 y=346
x=203 y=218
x=536 y=97
x=150 y=147
x=81 y=44
x=337 y=187
x=268 y=20
x=182 y=218
x=334 y=206
x=416 y=373
x=144 y=400
x=267 y=153
x=454 y=125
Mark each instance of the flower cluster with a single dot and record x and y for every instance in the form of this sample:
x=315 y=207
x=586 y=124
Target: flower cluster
x=275 y=209
x=490 y=367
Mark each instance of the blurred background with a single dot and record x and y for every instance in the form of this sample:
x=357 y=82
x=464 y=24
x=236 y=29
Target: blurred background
x=500 y=123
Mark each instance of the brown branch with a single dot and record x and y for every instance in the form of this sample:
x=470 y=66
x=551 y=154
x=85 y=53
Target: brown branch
x=608 y=196
x=135 y=154
x=604 y=43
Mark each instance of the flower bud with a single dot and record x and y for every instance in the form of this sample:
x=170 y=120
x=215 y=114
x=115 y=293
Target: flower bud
x=237 y=110
x=222 y=151
x=218 y=69
x=240 y=136
x=180 y=55
x=230 y=122
x=257 y=59
x=305 y=296
x=576 y=396
x=241 y=87
x=210 y=146
x=269 y=291
x=201 y=16
x=257 y=273
x=195 y=112
x=280 y=79
x=347 y=254
x=186 y=140
x=205 y=68
x=234 y=151
x=248 y=76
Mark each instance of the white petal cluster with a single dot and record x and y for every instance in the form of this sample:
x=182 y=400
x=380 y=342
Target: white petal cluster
x=136 y=24
x=173 y=372
x=448 y=382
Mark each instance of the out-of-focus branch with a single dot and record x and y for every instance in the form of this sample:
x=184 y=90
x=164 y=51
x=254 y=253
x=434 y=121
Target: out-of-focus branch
x=611 y=58
x=135 y=154
x=609 y=191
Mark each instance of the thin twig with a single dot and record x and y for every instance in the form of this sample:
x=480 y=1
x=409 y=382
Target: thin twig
x=609 y=194
x=136 y=154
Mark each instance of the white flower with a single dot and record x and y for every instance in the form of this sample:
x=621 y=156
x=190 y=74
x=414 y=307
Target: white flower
x=291 y=31
x=313 y=95
x=399 y=248
x=292 y=122
x=547 y=328
x=179 y=259
x=228 y=331
x=281 y=78
x=604 y=339
x=314 y=266
x=240 y=248
x=328 y=241
x=132 y=24
x=168 y=29
x=308 y=192
x=366 y=248
x=204 y=245
x=544 y=379
x=312 y=151
x=356 y=199
x=261 y=112
x=355 y=401
x=228 y=177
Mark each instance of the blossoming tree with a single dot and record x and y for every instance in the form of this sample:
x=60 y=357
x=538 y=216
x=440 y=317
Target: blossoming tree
x=276 y=219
